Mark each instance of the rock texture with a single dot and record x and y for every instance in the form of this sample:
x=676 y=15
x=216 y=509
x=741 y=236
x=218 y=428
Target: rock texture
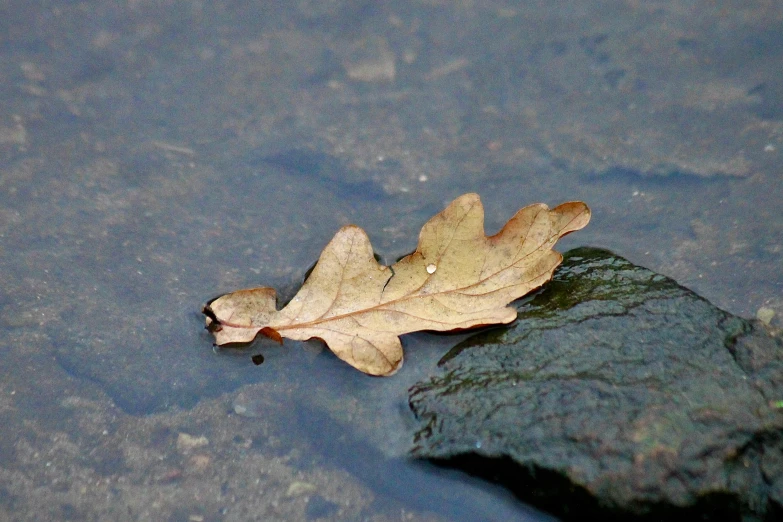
x=617 y=391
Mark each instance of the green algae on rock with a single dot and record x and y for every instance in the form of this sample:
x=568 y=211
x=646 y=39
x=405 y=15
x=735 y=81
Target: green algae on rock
x=617 y=391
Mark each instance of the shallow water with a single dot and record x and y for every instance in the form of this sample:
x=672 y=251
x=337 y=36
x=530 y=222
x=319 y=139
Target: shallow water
x=154 y=155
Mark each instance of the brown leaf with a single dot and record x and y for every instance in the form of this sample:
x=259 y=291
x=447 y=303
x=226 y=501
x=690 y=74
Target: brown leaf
x=457 y=278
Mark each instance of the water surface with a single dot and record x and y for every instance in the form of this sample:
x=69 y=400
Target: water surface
x=154 y=155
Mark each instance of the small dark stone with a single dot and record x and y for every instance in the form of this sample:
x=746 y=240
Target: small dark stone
x=616 y=392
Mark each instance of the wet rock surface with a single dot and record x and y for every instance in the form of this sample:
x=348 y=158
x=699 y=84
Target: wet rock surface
x=617 y=391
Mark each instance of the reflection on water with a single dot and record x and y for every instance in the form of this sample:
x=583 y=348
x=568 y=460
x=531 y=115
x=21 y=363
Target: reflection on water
x=153 y=156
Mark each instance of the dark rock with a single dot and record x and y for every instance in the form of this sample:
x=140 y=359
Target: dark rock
x=617 y=392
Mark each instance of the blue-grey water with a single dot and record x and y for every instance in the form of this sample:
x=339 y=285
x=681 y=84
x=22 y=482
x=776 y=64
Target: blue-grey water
x=154 y=155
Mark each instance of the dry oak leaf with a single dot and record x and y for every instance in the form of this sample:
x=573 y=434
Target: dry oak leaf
x=457 y=278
